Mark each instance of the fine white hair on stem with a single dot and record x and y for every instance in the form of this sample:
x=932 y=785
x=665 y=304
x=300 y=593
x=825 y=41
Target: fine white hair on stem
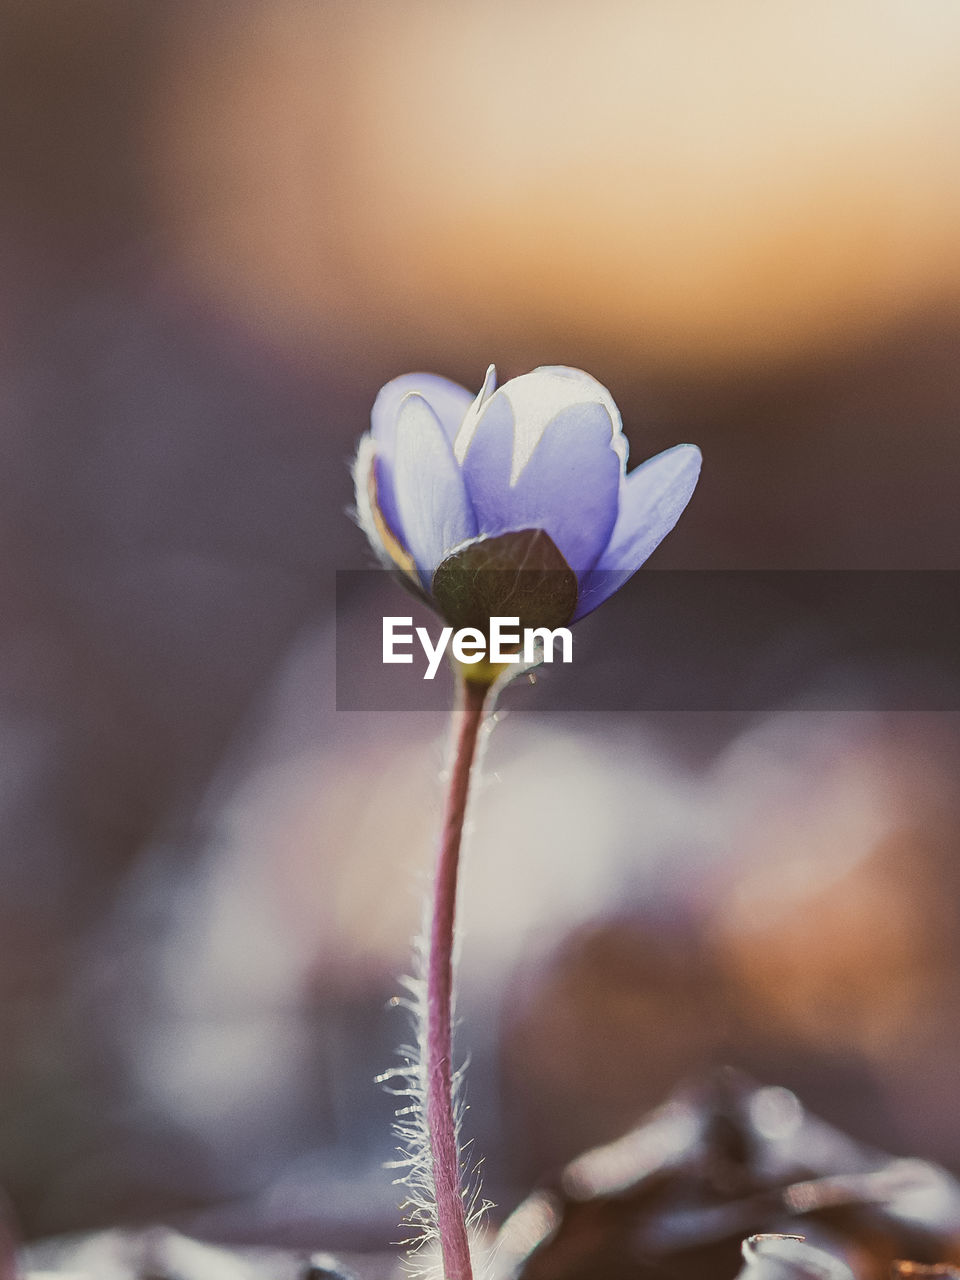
x=443 y=1202
x=408 y=1083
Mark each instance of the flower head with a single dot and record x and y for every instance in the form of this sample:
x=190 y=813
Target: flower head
x=516 y=501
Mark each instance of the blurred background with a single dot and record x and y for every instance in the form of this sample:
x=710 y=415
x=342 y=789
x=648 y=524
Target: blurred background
x=222 y=227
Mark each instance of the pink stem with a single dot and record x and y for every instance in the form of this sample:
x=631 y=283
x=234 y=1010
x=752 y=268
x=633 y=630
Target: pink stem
x=451 y=1218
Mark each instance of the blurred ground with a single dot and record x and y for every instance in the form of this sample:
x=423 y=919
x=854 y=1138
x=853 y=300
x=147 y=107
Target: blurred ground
x=222 y=227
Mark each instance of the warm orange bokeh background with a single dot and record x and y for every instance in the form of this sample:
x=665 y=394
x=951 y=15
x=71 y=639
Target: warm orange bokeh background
x=683 y=183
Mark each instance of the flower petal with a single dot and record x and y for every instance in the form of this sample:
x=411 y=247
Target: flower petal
x=382 y=539
x=568 y=487
x=584 y=386
x=434 y=512
x=539 y=396
x=472 y=416
x=362 y=488
x=448 y=400
x=651 y=501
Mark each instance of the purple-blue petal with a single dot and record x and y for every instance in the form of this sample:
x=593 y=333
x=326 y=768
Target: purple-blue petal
x=449 y=402
x=434 y=511
x=651 y=501
x=568 y=487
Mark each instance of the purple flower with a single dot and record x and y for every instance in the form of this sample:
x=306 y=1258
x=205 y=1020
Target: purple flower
x=528 y=477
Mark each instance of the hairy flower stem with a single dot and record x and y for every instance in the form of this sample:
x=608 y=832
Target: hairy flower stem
x=451 y=1217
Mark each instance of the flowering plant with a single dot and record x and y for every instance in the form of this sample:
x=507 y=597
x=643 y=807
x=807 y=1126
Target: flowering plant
x=516 y=501
x=530 y=477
